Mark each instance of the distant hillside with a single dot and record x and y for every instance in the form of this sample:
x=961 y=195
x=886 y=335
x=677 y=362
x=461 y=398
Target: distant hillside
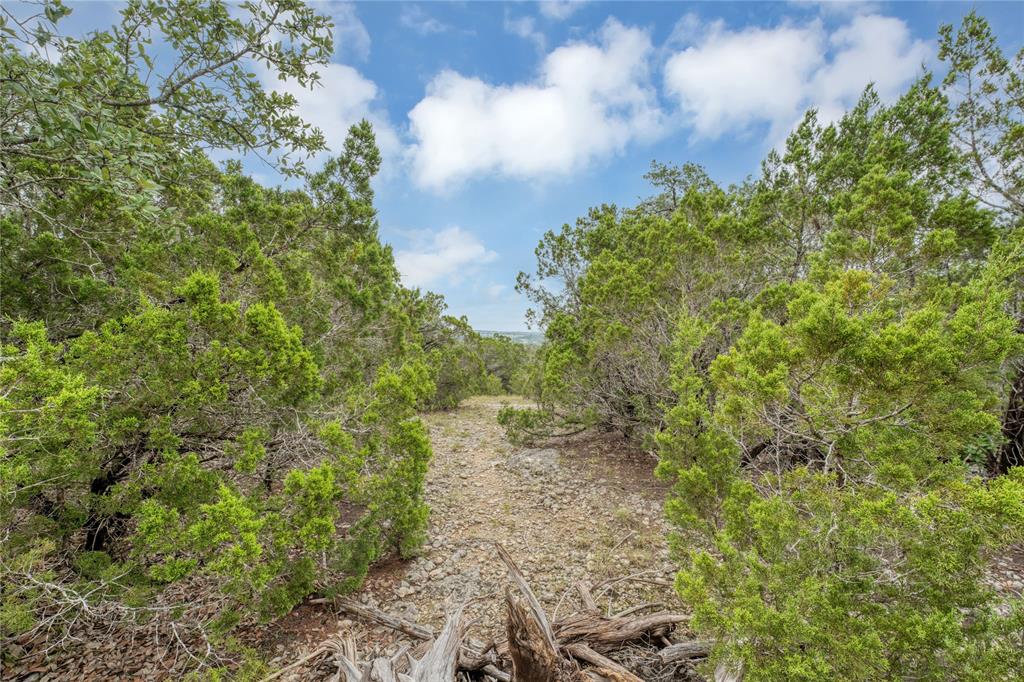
x=532 y=338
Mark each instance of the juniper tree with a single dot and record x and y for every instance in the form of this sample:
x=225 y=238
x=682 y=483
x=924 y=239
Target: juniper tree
x=822 y=358
x=204 y=379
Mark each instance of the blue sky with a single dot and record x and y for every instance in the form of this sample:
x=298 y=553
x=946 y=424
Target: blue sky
x=499 y=121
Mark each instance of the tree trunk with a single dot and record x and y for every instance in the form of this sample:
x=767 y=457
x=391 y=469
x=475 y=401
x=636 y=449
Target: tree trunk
x=1011 y=453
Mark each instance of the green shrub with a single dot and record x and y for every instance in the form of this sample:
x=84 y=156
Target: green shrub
x=528 y=426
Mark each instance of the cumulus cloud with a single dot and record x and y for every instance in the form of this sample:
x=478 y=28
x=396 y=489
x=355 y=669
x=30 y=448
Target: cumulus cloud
x=343 y=97
x=446 y=255
x=729 y=80
x=589 y=101
x=559 y=9
x=418 y=20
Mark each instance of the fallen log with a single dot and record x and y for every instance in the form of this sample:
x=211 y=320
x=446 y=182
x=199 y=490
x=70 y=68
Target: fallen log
x=606 y=668
x=400 y=625
x=605 y=634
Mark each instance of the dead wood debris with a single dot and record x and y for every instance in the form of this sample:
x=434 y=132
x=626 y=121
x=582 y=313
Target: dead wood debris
x=578 y=647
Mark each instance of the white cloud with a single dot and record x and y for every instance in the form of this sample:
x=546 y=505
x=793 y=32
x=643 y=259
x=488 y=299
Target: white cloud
x=526 y=28
x=350 y=35
x=729 y=80
x=560 y=9
x=869 y=49
x=343 y=97
x=415 y=18
x=588 y=101
x=446 y=255
x=685 y=31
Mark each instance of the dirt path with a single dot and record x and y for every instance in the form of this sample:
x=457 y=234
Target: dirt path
x=588 y=510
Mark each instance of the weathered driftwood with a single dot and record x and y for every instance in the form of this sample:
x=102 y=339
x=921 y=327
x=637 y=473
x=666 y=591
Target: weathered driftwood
x=438 y=664
x=605 y=634
x=535 y=658
x=442 y=659
x=469 y=659
x=542 y=653
x=398 y=624
x=606 y=669
x=698 y=648
x=536 y=609
x=317 y=653
x=586 y=597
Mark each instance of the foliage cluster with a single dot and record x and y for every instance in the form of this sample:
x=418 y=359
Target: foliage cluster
x=465 y=363
x=827 y=359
